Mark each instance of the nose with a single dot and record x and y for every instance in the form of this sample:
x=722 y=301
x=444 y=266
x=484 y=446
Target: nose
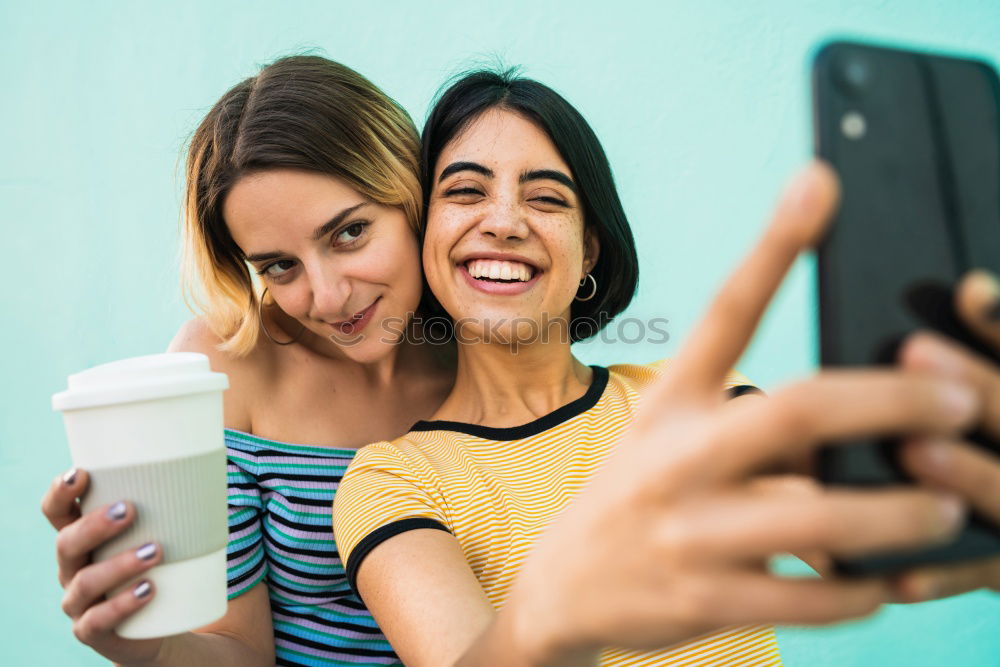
x=504 y=221
x=331 y=292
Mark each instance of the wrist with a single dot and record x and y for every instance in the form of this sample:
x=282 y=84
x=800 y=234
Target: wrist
x=544 y=635
x=157 y=654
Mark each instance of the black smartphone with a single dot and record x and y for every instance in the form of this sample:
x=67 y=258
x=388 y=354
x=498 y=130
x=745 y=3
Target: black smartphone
x=915 y=139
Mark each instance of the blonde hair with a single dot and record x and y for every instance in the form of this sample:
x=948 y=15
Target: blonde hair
x=299 y=112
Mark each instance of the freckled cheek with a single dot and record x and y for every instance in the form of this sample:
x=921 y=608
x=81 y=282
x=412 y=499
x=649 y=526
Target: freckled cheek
x=566 y=249
x=443 y=232
x=566 y=255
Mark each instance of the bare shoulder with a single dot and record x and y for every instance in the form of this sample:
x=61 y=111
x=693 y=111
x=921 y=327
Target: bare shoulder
x=195 y=336
x=244 y=372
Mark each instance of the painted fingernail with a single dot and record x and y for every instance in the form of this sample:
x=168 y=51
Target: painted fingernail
x=142 y=589
x=69 y=477
x=146 y=551
x=117 y=511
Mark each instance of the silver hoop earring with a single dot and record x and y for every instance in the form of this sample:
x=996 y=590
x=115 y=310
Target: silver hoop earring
x=263 y=327
x=593 y=292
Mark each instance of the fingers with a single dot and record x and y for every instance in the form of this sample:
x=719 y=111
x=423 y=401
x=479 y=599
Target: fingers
x=930 y=352
x=59 y=503
x=720 y=337
x=748 y=527
x=99 y=621
x=830 y=407
x=947 y=580
x=810 y=601
x=964 y=469
x=77 y=540
x=748 y=597
x=977 y=299
x=95 y=581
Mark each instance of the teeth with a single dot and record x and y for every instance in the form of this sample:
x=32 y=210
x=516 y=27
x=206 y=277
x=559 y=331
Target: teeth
x=499 y=270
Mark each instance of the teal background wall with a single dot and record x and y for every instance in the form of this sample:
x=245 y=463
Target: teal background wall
x=702 y=107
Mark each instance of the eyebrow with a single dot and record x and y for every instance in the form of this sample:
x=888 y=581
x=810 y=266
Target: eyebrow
x=319 y=233
x=547 y=175
x=533 y=175
x=456 y=167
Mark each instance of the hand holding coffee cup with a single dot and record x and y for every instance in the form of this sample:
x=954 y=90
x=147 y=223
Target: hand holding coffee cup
x=87 y=600
x=149 y=431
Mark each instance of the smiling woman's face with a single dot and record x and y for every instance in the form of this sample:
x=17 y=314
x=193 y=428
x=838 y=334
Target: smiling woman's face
x=344 y=267
x=505 y=238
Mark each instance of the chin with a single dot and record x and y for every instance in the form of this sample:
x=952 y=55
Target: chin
x=502 y=328
x=368 y=351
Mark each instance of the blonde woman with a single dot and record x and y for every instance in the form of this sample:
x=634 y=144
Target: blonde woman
x=307 y=176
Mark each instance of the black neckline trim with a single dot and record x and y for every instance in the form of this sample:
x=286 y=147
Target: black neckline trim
x=540 y=425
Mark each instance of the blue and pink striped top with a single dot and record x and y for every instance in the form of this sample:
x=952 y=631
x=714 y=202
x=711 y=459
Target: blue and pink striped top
x=280 y=531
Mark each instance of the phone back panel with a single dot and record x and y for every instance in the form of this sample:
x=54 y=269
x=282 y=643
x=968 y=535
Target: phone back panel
x=915 y=139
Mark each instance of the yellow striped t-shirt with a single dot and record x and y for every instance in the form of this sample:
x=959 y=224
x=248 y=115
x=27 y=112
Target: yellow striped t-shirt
x=496 y=489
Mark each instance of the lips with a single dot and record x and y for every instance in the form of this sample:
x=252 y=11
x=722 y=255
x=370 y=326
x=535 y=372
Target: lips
x=358 y=321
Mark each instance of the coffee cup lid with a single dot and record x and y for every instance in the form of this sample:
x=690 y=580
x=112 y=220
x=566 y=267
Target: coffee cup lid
x=140 y=379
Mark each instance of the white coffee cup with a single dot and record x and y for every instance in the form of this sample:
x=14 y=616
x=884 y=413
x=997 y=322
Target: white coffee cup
x=149 y=430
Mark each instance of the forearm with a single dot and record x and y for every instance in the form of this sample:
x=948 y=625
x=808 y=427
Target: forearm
x=205 y=648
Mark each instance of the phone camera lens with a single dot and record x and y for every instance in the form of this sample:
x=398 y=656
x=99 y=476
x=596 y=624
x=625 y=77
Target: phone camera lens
x=856 y=73
x=853 y=74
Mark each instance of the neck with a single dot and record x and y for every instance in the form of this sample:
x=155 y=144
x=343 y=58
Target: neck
x=500 y=385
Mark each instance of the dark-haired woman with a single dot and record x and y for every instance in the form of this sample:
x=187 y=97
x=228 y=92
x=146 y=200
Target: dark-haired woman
x=305 y=175
x=554 y=513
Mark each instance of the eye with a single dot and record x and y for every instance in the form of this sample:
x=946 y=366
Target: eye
x=555 y=201
x=464 y=193
x=547 y=198
x=351 y=233
x=277 y=269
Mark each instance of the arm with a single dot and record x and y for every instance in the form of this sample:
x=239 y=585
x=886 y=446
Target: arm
x=423 y=574
x=243 y=637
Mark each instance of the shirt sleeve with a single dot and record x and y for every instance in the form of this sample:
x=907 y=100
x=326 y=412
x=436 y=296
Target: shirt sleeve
x=380 y=496
x=245 y=562
x=737 y=384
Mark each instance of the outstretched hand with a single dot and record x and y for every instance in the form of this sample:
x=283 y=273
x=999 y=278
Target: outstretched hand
x=671 y=537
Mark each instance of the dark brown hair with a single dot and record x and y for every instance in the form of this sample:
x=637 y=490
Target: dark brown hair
x=474 y=93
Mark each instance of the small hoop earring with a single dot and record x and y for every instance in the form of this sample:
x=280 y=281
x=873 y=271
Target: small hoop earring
x=263 y=327
x=593 y=292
